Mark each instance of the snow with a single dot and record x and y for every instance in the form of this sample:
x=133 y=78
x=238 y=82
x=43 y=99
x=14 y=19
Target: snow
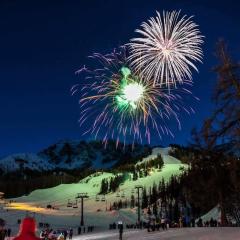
x=180 y=234
x=167 y=159
x=31 y=161
x=43 y=162
x=94 y=211
x=214 y=213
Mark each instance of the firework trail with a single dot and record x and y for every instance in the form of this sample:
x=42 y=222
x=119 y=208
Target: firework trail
x=118 y=104
x=166 y=50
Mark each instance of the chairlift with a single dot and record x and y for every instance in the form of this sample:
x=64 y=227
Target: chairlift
x=69 y=204
x=97 y=198
x=75 y=205
x=123 y=195
x=118 y=194
x=103 y=199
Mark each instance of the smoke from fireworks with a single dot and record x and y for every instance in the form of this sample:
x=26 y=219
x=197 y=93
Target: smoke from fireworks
x=165 y=52
x=120 y=105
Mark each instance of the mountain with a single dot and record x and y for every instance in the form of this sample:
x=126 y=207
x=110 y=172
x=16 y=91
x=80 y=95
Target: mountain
x=69 y=155
x=65 y=203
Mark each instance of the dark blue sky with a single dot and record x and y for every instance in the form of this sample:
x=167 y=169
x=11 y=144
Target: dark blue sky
x=42 y=44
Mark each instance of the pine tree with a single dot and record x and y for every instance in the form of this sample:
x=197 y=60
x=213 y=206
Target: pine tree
x=104 y=186
x=144 y=198
x=132 y=201
x=219 y=138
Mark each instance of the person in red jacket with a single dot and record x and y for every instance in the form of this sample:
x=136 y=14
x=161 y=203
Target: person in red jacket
x=28 y=230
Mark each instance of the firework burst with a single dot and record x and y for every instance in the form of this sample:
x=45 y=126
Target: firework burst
x=120 y=105
x=167 y=49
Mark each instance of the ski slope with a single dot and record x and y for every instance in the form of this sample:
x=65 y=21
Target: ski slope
x=95 y=211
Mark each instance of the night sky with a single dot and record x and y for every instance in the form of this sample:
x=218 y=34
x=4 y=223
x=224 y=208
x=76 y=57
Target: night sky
x=43 y=43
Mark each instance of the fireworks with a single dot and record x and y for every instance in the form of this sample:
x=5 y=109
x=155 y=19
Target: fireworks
x=121 y=105
x=130 y=93
x=136 y=91
x=165 y=52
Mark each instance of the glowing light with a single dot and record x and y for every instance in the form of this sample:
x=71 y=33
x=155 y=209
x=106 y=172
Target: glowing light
x=130 y=92
x=133 y=92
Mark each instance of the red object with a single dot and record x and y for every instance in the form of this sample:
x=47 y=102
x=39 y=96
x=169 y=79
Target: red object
x=27 y=231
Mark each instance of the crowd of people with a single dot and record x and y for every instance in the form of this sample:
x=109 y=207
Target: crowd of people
x=5 y=233
x=50 y=234
x=211 y=223
x=28 y=228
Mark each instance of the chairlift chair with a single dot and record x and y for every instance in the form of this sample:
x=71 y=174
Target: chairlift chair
x=69 y=204
x=75 y=205
x=103 y=199
x=97 y=198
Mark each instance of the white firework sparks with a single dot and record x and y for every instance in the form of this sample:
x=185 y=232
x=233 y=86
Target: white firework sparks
x=167 y=49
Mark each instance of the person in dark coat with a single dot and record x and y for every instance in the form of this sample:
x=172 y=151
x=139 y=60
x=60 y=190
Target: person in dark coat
x=120 y=231
x=2 y=230
x=9 y=232
x=65 y=234
x=70 y=233
x=27 y=230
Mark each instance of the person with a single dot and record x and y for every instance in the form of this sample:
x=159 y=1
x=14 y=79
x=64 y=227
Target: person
x=60 y=237
x=163 y=223
x=192 y=222
x=2 y=230
x=120 y=231
x=9 y=232
x=211 y=222
x=27 y=230
x=65 y=234
x=70 y=233
x=2 y=234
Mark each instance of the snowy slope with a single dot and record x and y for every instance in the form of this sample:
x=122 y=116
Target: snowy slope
x=94 y=210
x=167 y=159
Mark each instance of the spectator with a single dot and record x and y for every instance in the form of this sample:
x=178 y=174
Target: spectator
x=27 y=230
x=9 y=232
x=120 y=225
x=2 y=230
x=70 y=233
x=65 y=234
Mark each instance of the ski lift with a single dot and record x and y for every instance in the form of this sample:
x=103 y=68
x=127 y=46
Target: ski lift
x=97 y=198
x=75 y=205
x=103 y=199
x=123 y=195
x=118 y=194
x=69 y=204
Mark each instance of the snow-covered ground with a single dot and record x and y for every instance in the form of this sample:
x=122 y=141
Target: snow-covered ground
x=95 y=211
x=172 y=234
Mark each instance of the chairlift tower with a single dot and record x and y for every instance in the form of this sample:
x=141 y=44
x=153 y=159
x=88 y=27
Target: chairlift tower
x=138 y=187
x=82 y=196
